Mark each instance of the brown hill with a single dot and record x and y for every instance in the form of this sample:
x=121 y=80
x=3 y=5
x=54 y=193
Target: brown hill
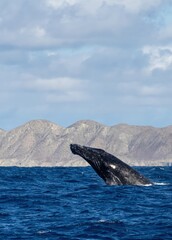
x=43 y=143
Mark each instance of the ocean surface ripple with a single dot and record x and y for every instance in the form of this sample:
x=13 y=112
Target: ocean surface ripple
x=74 y=203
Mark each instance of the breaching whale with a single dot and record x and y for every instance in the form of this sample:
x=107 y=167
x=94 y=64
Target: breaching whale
x=111 y=169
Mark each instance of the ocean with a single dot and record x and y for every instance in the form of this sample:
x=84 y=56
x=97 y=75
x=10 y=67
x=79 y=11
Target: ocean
x=75 y=203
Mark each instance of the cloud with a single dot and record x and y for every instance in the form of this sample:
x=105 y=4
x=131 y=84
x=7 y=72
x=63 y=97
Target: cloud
x=58 y=84
x=160 y=57
x=72 y=23
x=56 y=4
x=104 y=59
x=67 y=96
x=130 y=5
x=55 y=90
x=138 y=6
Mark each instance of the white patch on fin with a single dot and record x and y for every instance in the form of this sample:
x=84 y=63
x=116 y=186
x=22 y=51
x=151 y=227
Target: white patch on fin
x=112 y=166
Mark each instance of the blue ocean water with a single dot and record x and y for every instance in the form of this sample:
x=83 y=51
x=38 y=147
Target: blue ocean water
x=74 y=203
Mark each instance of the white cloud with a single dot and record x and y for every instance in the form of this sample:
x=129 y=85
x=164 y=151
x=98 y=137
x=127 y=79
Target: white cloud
x=59 y=3
x=160 y=57
x=92 y=6
x=67 y=96
x=55 y=90
x=137 y=6
x=108 y=57
x=55 y=84
x=152 y=90
x=74 y=22
x=36 y=31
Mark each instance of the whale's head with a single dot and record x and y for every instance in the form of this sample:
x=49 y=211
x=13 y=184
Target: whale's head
x=102 y=162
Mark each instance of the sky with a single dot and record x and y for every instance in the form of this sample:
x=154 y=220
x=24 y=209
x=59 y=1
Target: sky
x=68 y=60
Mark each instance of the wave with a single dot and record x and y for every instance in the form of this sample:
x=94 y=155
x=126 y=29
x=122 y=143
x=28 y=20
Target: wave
x=161 y=184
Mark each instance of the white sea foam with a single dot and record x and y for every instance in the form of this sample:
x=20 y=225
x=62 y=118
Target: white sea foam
x=102 y=220
x=161 y=184
x=41 y=232
x=148 y=185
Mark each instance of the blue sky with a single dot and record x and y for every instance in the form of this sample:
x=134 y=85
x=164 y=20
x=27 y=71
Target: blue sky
x=67 y=60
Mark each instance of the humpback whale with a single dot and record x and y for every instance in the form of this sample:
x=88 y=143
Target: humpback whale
x=111 y=169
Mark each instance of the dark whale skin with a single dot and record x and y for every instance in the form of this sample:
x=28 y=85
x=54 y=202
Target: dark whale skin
x=111 y=169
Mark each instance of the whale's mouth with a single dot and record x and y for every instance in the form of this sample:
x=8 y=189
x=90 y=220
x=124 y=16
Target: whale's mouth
x=82 y=151
x=75 y=148
x=85 y=152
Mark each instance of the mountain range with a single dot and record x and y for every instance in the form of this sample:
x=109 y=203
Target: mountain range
x=43 y=143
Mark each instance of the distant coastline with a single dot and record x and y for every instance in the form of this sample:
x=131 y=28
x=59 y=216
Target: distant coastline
x=46 y=144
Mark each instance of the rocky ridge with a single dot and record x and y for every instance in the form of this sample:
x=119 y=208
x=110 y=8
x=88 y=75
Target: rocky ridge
x=43 y=143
